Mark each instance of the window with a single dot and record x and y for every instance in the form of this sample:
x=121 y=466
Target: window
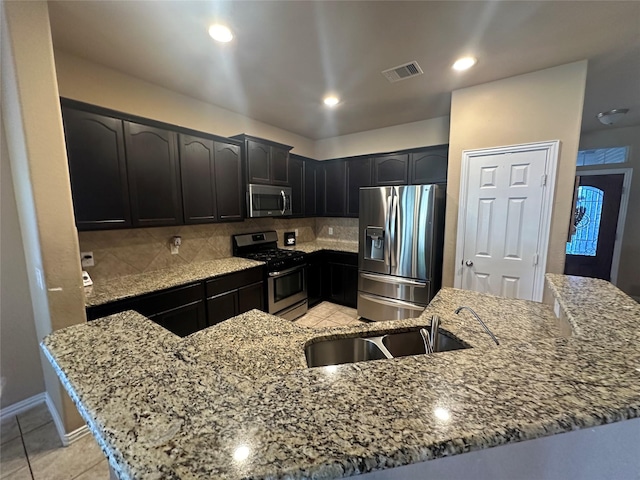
x=602 y=156
x=588 y=216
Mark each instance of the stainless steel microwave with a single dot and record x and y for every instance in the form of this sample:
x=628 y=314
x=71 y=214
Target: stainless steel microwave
x=268 y=201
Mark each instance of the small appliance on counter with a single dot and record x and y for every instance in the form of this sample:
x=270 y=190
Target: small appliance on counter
x=289 y=239
x=286 y=276
x=401 y=233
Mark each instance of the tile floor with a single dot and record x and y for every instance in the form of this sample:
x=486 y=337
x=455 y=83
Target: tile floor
x=327 y=314
x=31 y=449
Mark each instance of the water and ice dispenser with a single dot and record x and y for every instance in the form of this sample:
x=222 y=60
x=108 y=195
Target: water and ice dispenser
x=374 y=244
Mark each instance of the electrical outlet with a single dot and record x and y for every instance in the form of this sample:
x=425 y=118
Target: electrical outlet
x=296 y=230
x=330 y=230
x=175 y=250
x=87 y=259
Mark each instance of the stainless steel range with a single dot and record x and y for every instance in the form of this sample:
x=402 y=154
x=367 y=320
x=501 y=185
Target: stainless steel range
x=286 y=272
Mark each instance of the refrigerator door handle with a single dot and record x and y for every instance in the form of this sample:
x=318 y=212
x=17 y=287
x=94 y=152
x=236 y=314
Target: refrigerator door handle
x=388 y=241
x=393 y=226
x=390 y=302
x=392 y=280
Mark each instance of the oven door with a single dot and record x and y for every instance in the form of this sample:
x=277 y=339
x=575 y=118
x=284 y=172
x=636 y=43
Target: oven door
x=268 y=201
x=286 y=288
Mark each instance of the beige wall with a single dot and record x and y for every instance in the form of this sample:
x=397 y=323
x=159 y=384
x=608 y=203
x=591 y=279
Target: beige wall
x=89 y=82
x=434 y=131
x=629 y=271
x=539 y=106
x=20 y=369
x=35 y=143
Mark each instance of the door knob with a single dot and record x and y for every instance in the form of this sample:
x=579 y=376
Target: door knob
x=469 y=263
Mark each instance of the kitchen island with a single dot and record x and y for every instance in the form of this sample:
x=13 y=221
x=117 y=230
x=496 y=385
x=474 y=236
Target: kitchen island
x=236 y=400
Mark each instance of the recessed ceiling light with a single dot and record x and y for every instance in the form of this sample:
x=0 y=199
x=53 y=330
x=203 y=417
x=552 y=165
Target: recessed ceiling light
x=464 y=63
x=331 y=100
x=220 y=33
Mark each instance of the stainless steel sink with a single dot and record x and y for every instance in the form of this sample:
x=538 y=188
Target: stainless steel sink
x=378 y=347
x=411 y=343
x=342 y=350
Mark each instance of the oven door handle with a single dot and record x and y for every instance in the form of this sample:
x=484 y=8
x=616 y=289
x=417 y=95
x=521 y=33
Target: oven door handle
x=286 y=272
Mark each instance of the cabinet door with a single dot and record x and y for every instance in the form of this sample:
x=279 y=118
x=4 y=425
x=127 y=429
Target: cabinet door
x=197 y=172
x=228 y=182
x=297 y=180
x=279 y=166
x=221 y=307
x=391 y=170
x=183 y=320
x=250 y=297
x=258 y=169
x=335 y=290
x=310 y=188
x=314 y=278
x=358 y=175
x=152 y=161
x=335 y=188
x=97 y=167
x=350 y=286
x=429 y=166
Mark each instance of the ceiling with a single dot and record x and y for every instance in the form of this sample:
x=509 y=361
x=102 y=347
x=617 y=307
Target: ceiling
x=287 y=55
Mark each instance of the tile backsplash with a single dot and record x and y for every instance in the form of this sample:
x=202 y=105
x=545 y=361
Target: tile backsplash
x=345 y=229
x=125 y=252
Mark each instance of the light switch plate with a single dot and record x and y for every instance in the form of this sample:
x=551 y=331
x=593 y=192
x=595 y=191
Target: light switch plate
x=330 y=230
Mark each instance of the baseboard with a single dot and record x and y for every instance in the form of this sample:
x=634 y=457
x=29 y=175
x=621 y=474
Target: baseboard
x=66 y=438
x=22 y=406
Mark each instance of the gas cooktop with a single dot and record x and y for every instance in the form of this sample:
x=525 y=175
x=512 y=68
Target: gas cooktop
x=262 y=246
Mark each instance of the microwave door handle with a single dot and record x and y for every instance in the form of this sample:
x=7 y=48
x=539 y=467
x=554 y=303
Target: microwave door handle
x=284 y=201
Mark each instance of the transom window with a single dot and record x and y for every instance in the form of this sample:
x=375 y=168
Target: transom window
x=602 y=156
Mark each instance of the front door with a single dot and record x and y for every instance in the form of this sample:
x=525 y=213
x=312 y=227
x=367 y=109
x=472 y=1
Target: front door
x=590 y=251
x=502 y=221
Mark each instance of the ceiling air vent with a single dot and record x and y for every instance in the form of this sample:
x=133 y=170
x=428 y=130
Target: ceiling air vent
x=402 y=72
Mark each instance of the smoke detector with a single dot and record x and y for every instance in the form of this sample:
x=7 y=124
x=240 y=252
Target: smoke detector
x=402 y=72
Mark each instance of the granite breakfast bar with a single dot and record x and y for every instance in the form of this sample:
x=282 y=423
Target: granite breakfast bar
x=237 y=401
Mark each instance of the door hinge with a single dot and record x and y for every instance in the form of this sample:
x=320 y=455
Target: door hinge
x=535 y=259
x=543 y=180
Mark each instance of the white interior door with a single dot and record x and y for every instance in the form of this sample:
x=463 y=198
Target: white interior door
x=502 y=222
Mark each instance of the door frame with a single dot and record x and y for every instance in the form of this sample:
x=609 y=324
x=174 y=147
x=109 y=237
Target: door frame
x=622 y=213
x=551 y=149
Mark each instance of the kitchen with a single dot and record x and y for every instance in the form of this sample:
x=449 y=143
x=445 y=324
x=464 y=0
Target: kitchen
x=145 y=97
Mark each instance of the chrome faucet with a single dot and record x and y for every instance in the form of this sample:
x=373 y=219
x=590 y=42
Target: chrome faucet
x=486 y=329
x=430 y=338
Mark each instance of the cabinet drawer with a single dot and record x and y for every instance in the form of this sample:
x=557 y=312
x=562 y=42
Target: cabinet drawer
x=164 y=301
x=233 y=281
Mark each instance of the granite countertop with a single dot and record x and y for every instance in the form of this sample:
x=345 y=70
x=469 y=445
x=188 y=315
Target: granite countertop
x=236 y=400
x=133 y=285
x=143 y=283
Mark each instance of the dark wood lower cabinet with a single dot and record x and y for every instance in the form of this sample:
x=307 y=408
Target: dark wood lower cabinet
x=340 y=278
x=314 y=278
x=187 y=309
x=222 y=307
x=183 y=320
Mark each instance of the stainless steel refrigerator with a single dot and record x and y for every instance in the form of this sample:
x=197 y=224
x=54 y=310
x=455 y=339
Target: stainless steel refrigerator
x=400 y=250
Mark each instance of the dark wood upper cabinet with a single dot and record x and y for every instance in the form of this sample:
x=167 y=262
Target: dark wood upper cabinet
x=310 y=188
x=228 y=182
x=198 y=179
x=152 y=161
x=258 y=159
x=358 y=175
x=429 y=166
x=391 y=170
x=279 y=166
x=98 y=170
x=265 y=161
x=297 y=181
x=334 y=188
